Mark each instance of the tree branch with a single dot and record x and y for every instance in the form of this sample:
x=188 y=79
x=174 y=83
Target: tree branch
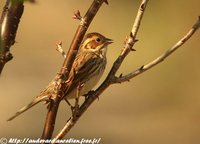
x=64 y=71
x=109 y=80
x=78 y=37
x=160 y=58
x=9 y=22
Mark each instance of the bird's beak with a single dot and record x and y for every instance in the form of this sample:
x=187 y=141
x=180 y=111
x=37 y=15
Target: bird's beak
x=109 y=41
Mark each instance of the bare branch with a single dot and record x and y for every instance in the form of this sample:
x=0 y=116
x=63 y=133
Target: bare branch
x=76 y=106
x=10 y=19
x=5 y=9
x=60 y=49
x=160 y=58
x=64 y=71
x=130 y=41
x=111 y=78
x=78 y=37
x=108 y=81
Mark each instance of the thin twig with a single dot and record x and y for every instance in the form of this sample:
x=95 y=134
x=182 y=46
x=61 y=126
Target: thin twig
x=76 y=105
x=92 y=96
x=160 y=58
x=60 y=49
x=10 y=19
x=131 y=40
x=111 y=78
x=77 y=15
x=64 y=71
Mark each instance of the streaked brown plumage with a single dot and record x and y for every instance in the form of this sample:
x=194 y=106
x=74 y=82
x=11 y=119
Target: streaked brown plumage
x=87 y=69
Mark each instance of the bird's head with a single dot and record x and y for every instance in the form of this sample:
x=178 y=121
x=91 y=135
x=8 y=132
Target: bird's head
x=95 y=42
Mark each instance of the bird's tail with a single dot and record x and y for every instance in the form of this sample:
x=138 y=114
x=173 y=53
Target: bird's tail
x=31 y=104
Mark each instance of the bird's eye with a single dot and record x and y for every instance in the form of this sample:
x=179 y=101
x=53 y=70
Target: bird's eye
x=98 y=39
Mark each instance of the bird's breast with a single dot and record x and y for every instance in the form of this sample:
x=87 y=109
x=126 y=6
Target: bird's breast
x=89 y=84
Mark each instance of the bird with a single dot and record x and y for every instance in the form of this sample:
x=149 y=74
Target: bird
x=87 y=69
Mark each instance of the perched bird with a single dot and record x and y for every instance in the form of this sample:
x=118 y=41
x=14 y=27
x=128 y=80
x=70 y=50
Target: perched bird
x=86 y=70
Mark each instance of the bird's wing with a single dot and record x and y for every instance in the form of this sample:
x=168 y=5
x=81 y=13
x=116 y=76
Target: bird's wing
x=83 y=69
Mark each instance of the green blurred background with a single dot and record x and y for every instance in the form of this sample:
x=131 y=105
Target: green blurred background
x=161 y=106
